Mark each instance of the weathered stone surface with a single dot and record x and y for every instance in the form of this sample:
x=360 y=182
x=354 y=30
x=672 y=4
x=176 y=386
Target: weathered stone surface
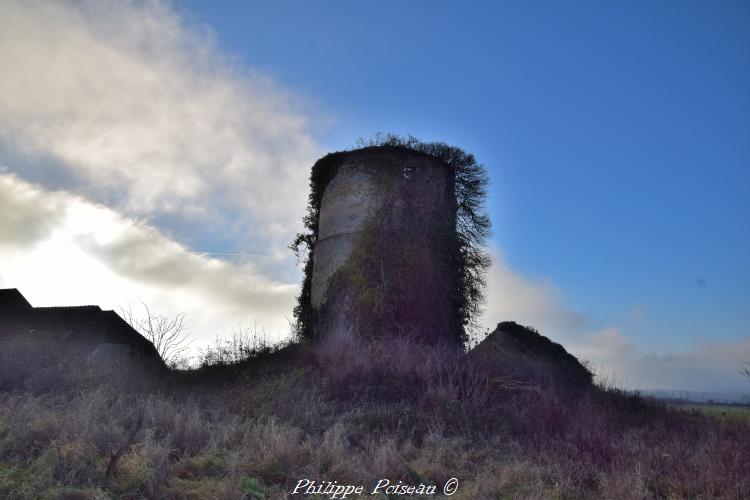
x=330 y=255
x=351 y=198
x=388 y=216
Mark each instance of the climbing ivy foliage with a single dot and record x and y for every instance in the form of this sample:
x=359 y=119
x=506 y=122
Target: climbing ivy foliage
x=472 y=223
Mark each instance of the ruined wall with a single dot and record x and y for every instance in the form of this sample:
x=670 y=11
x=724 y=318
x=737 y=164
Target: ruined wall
x=385 y=259
x=86 y=333
x=351 y=199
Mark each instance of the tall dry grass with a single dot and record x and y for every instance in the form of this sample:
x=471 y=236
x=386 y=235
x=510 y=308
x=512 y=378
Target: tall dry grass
x=352 y=413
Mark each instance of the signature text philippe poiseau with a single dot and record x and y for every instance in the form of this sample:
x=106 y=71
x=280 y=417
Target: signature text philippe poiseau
x=334 y=490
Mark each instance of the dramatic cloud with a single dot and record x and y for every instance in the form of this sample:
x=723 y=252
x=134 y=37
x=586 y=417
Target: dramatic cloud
x=125 y=131
x=90 y=254
x=123 y=102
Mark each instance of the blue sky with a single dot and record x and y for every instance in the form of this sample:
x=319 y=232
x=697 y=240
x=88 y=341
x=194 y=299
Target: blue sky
x=617 y=134
x=137 y=136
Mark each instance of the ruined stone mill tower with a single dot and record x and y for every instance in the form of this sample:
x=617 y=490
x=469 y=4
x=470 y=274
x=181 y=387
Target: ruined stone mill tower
x=384 y=253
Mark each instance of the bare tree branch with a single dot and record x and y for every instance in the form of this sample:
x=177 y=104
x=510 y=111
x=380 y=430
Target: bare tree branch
x=168 y=333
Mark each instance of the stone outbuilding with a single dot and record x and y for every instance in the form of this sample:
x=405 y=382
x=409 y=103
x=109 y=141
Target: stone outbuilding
x=87 y=331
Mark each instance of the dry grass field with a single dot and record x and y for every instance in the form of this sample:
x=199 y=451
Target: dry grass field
x=253 y=425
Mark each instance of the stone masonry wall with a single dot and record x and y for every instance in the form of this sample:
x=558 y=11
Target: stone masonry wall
x=385 y=258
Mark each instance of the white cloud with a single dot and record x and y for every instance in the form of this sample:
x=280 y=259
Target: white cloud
x=513 y=297
x=89 y=254
x=707 y=365
x=153 y=136
x=138 y=110
x=19 y=228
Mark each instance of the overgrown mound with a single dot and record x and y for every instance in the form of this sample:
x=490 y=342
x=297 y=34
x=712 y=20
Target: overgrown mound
x=516 y=353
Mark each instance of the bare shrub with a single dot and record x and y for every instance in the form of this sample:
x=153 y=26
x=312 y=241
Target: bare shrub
x=244 y=345
x=168 y=334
